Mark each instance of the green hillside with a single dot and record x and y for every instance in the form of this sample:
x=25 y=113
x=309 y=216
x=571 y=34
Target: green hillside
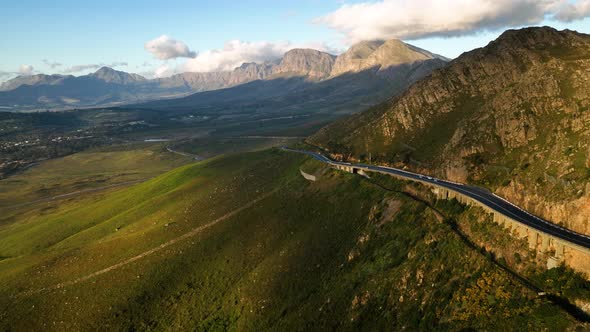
x=243 y=242
x=94 y=168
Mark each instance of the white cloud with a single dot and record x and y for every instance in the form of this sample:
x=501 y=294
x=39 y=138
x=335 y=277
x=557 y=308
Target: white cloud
x=52 y=64
x=415 y=19
x=234 y=53
x=25 y=70
x=165 y=48
x=569 y=11
x=79 y=68
x=118 y=64
x=93 y=66
x=163 y=71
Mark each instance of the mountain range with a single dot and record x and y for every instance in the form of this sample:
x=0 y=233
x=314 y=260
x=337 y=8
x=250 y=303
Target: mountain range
x=512 y=116
x=108 y=86
x=176 y=213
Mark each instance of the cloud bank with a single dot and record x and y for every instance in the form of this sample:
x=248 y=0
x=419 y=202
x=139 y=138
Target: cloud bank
x=416 y=19
x=4 y=74
x=569 y=11
x=165 y=48
x=23 y=70
x=234 y=53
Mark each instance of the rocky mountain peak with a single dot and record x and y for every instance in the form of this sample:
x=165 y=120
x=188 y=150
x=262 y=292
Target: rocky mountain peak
x=379 y=54
x=362 y=50
x=308 y=62
x=531 y=43
x=532 y=37
x=111 y=75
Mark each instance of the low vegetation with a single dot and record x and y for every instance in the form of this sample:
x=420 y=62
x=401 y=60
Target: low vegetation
x=93 y=168
x=244 y=242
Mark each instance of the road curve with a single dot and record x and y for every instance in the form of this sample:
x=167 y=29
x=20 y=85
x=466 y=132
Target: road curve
x=481 y=195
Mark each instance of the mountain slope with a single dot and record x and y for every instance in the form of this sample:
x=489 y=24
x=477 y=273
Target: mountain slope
x=255 y=108
x=512 y=116
x=103 y=87
x=319 y=94
x=380 y=55
x=39 y=79
x=111 y=86
x=243 y=242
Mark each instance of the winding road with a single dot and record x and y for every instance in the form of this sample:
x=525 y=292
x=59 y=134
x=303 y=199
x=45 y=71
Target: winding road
x=481 y=195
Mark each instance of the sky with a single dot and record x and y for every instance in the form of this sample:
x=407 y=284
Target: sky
x=157 y=38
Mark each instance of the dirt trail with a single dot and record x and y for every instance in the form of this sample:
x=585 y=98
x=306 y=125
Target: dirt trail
x=164 y=245
x=186 y=154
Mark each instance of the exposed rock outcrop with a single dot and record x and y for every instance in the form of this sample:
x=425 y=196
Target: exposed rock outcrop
x=380 y=55
x=513 y=116
x=307 y=62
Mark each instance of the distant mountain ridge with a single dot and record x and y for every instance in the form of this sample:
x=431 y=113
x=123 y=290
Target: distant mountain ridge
x=310 y=63
x=320 y=96
x=109 y=86
x=39 y=79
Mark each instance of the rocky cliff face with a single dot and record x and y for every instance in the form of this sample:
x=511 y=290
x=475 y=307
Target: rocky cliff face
x=251 y=71
x=380 y=55
x=311 y=63
x=197 y=82
x=513 y=116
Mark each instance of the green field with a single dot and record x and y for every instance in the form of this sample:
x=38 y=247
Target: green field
x=99 y=171
x=90 y=169
x=243 y=242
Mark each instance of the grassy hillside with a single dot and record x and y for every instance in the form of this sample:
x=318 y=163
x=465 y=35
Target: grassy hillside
x=244 y=242
x=89 y=169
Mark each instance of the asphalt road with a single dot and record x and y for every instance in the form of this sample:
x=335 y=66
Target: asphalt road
x=482 y=195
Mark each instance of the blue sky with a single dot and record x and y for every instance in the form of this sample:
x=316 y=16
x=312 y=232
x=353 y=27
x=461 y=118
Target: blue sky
x=92 y=33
